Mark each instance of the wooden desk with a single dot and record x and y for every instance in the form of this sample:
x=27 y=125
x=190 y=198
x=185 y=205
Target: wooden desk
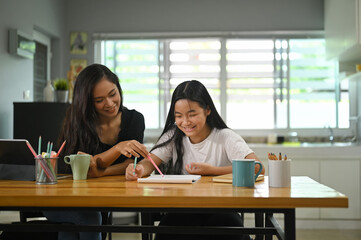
x=115 y=194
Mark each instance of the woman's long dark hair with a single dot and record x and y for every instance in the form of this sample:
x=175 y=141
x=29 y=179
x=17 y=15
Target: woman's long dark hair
x=79 y=126
x=194 y=91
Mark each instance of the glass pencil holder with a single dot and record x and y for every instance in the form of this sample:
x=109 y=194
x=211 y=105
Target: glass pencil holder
x=46 y=169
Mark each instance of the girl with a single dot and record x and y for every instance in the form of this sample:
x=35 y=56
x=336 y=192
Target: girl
x=195 y=140
x=97 y=123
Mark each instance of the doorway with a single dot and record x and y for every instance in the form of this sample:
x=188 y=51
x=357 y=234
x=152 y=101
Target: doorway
x=41 y=64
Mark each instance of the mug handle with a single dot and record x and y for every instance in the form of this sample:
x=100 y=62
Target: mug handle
x=260 y=170
x=67 y=159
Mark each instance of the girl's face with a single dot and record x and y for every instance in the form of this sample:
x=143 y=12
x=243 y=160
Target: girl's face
x=191 y=118
x=106 y=98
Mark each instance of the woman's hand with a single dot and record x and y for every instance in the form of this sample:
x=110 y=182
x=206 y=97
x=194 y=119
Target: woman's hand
x=93 y=171
x=199 y=168
x=132 y=174
x=132 y=148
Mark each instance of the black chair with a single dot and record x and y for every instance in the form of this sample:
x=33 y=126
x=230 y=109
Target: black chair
x=107 y=219
x=148 y=218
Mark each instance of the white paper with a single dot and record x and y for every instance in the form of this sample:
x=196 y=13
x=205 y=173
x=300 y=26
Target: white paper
x=170 y=179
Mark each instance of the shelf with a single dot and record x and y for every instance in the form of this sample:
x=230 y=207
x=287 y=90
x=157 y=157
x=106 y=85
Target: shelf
x=353 y=77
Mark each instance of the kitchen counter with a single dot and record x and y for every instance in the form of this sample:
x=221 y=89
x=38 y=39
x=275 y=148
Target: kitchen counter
x=309 y=150
x=335 y=165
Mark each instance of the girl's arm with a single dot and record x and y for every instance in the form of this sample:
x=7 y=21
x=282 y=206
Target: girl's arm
x=143 y=168
x=256 y=168
x=207 y=169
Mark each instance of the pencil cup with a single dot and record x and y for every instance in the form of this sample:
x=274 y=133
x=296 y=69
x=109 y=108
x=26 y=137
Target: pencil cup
x=46 y=170
x=279 y=173
x=79 y=165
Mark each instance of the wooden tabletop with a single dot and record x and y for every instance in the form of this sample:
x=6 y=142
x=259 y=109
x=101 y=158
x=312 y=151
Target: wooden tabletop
x=114 y=191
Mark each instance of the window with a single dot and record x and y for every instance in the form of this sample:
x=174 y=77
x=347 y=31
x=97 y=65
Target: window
x=274 y=83
x=136 y=63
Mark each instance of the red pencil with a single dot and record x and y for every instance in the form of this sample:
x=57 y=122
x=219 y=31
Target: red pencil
x=61 y=148
x=31 y=149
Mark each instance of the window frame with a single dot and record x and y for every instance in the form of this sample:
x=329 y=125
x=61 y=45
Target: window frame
x=154 y=133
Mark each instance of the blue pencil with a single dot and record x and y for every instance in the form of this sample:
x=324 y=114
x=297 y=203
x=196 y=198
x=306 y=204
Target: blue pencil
x=135 y=164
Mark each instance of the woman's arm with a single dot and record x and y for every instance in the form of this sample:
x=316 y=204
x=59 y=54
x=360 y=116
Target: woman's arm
x=133 y=125
x=116 y=169
x=127 y=148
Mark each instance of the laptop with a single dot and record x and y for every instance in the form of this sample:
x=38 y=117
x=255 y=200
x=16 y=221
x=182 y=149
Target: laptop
x=16 y=160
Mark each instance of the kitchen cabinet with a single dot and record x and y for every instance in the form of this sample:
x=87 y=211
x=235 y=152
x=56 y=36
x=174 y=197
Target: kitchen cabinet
x=336 y=167
x=342 y=30
x=311 y=168
x=354 y=82
x=343 y=175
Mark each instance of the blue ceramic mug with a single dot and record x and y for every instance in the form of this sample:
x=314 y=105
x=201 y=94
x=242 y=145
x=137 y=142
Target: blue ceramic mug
x=243 y=172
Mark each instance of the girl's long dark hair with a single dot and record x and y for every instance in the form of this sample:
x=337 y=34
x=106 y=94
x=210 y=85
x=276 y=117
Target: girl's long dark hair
x=79 y=125
x=194 y=91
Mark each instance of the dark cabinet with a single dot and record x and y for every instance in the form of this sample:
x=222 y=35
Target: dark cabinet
x=34 y=119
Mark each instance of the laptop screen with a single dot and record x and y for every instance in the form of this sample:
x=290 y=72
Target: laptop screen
x=15 y=151
x=16 y=160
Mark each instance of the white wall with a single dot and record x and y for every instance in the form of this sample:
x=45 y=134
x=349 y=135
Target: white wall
x=16 y=74
x=190 y=16
x=58 y=18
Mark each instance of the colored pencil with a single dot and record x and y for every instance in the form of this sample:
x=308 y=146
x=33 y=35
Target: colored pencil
x=39 y=145
x=61 y=148
x=155 y=165
x=31 y=149
x=135 y=162
x=43 y=166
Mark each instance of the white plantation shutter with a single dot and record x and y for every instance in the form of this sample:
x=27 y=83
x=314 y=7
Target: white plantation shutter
x=259 y=83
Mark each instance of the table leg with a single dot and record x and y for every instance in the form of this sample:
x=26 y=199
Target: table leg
x=259 y=222
x=290 y=224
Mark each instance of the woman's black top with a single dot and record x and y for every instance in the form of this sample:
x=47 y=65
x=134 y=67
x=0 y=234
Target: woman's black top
x=131 y=128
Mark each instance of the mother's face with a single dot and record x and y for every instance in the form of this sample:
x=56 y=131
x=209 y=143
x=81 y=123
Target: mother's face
x=106 y=98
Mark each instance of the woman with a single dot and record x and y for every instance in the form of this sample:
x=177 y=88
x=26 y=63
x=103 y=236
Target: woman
x=195 y=140
x=98 y=124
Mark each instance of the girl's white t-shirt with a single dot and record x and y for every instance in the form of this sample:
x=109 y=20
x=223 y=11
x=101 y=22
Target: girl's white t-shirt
x=218 y=149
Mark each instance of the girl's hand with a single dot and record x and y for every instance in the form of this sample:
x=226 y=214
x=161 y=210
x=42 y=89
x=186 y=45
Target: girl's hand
x=132 y=148
x=199 y=168
x=132 y=174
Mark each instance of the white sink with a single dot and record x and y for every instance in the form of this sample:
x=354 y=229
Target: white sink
x=326 y=144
